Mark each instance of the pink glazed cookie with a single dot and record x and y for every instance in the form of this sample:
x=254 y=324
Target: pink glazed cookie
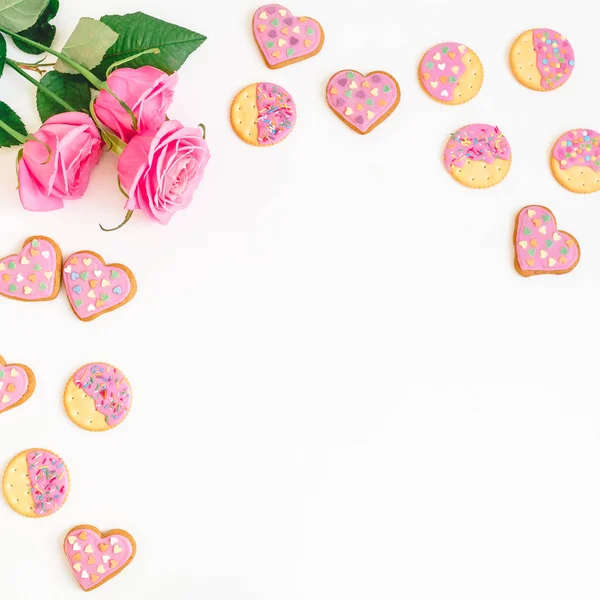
x=451 y=73
x=36 y=483
x=283 y=38
x=542 y=59
x=95 y=557
x=94 y=287
x=263 y=114
x=540 y=248
x=363 y=101
x=33 y=275
x=478 y=155
x=17 y=384
x=575 y=161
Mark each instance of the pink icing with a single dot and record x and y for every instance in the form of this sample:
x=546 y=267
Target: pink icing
x=578 y=148
x=29 y=275
x=538 y=241
x=90 y=564
x=555 y=57
x=111 y=287
x=283 y=37
x=13 y=385
x=276 y=113
x=108 y=388
x=441 y=68
x=476 y=142
x=362 y=101
x=49 y=481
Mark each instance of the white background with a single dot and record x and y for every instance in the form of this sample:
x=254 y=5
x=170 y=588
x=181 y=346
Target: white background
x=342 y=388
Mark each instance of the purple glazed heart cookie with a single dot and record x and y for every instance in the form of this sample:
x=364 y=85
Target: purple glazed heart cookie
x=540 y=247
x=33 y=275
x=94 y=287
x=363 y=101
x=17 y=384
x=283 y=38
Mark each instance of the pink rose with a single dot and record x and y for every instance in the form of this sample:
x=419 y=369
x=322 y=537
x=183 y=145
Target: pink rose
x=161 y=169
x=46 y=180
x=147 y=91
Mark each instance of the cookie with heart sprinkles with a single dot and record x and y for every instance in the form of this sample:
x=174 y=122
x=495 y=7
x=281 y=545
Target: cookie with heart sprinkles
x=451 y=73
x=98 y=397
x=542 y=59
x=575 y=161
x=263 y=114
x=478 y=156
x=95 y=557
x=284 y=39
x=36 y=483
x=17 y=384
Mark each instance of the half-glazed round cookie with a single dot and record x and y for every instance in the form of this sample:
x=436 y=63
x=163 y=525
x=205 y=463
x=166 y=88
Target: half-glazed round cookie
x=263 y=114
x=575 y=161
x=36 y=483
x=451 y=73
x=98 y=397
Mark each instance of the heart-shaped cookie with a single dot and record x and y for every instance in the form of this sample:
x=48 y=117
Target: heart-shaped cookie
x=94 y=287
x=17 y=384
x=283 y=38
x=33 y=275
x=96 y=557
x=541 y=248
x=363 y=101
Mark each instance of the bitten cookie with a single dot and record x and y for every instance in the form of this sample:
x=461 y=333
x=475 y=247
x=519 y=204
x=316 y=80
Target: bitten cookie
x=478 y=156
x=95 y=557
x=283 y=38
x=36 y=483
x=540 y=248
x=263 y=114
x=451 y=73
x=363 y=101
x=98 y=397
x=575 y=161
x=542 y=59
x=33 y=275
x=94 y=287
x=17 y=384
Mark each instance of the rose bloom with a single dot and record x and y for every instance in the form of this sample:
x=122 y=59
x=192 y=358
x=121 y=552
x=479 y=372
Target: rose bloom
x=147 y=91
x=45 y=180
x=161 y=169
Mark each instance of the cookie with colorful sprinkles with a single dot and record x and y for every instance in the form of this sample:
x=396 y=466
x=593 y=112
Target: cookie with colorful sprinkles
x=542 y=59
x=478 y=156
x=540 y=247
x=451 y=73
x=575 y=161
x=98 y=397
x=17 y=384
x=95 y=557
x=263 y=114
x=32 y=275
x=283 y=38
x=362 y=102
x=36 y=483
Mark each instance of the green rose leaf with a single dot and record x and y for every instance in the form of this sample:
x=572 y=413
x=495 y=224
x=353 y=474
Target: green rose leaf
x=42 y=32
x=139 y=32
x=17 y=15
x=12 y=119
x=71 y=88
x=2 y=54
x=87 y=45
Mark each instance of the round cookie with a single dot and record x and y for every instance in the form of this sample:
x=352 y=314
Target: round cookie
x=575 y=161
x=542 y=59
x=36 y=483
x=263 y=114
x=98 y=397
x=451 y=73
x=478 y=156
